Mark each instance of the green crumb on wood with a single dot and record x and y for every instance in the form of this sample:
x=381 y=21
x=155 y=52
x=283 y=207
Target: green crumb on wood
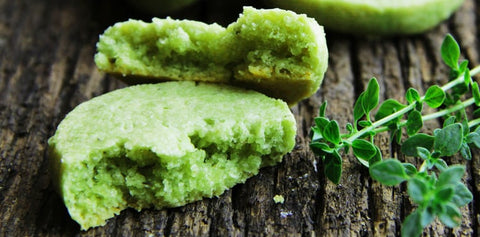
x=278 y=199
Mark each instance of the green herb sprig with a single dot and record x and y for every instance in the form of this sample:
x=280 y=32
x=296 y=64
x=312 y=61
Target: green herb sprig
x=435 y=187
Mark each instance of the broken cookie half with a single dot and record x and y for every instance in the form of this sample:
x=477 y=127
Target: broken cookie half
x=164 y=145
x=277 y=52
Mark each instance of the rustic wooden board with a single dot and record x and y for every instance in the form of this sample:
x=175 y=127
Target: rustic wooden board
x=46 y=69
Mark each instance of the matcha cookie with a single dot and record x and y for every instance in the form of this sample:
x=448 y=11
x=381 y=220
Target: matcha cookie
x=375 y=17
x=164 y=145
x=277 y=52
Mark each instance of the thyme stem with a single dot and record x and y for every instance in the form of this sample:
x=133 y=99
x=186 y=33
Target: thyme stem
x=451 y=84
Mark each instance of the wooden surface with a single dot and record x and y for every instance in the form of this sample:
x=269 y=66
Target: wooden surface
x=46 y=69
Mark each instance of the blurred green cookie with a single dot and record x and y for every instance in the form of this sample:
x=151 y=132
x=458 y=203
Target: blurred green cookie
x=375 y=17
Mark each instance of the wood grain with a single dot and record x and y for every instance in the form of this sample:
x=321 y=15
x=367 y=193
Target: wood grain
x=47 y=68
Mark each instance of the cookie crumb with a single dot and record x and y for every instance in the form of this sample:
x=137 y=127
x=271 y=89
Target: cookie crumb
x=278 y=199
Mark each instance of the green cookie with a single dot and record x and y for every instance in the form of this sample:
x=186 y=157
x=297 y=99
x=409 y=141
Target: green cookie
x=376 y=17
x=164 y=145
x=276 y=52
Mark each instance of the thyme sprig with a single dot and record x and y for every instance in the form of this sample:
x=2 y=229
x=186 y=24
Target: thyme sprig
x=435 y=187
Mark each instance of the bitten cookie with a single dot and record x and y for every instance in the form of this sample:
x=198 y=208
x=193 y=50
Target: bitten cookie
x=164 y=145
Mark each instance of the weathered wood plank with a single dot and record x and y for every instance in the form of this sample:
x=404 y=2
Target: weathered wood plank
x=47 y=68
